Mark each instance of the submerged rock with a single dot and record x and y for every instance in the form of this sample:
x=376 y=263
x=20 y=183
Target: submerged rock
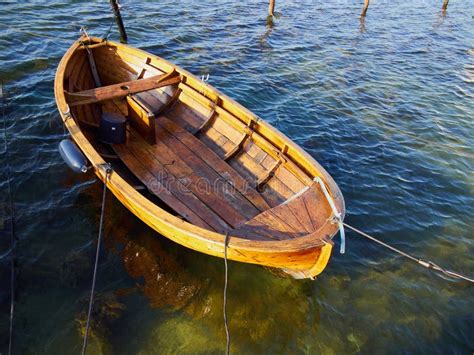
x=182 y=336
x=256 y=315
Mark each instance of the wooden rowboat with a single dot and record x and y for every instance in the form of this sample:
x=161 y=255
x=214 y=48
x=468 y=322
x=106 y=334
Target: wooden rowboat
x=196 y=166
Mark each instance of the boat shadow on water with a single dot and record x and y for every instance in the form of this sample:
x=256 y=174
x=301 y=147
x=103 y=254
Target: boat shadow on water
x=184 y=293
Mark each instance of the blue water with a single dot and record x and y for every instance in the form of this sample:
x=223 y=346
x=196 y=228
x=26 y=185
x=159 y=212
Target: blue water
x=385 y=105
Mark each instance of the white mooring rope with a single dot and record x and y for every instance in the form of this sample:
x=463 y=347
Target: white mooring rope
x=338 y=218
x=426 y=264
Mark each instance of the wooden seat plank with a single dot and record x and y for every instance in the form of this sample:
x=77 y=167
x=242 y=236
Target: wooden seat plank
x=198 y=107
x=249 y=168
x=255 y=151
x=271 y=220
x=290 y=180
x=185 y=116
x=216 y=141
x=207 y=123
x=228 y=131
x=298 y=217
x=317 y=206
x=298 y=209
x=155 y=102
x=279 y=189
x=285 y=215
x=116 y=91
x=284 y=176
x=161 y=95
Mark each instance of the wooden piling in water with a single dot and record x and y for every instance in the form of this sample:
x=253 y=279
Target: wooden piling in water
x=271 y=7
x=445 y=5
x=118 y=20
x=364 y=9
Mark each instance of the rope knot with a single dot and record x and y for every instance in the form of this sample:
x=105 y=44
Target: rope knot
x=336 y=218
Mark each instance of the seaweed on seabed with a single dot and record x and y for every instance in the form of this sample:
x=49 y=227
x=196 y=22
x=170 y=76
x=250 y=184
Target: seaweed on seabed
x=164 y=281
x=105 y=312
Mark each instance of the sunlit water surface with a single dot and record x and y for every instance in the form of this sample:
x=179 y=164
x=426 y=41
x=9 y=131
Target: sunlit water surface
x=386 y=106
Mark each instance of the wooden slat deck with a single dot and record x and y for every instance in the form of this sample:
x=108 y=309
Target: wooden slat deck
x=169 y=191
x=197 y=182
x=191 y=120
x=173 y=192
x=187 y=166
x=194 y=179
x=179 y=169
x=190 y=178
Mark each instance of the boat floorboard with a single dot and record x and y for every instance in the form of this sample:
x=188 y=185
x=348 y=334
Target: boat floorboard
x=190 y=178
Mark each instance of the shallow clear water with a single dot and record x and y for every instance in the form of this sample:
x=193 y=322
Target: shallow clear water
x=386 y=106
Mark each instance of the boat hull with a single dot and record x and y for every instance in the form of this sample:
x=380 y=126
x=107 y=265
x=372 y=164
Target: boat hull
x=303 y=257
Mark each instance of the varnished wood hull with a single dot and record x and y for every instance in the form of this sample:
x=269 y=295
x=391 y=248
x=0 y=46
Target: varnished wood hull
x=303 y=256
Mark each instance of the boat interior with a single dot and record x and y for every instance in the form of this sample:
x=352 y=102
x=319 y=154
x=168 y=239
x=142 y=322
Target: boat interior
x=187 y=148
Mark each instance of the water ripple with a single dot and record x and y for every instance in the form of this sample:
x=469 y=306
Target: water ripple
x=384 y=104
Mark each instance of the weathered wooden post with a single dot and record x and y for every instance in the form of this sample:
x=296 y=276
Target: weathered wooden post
x=362 y=24
x=445 y=5
x=364 y=10
x=271 y=7
x=118 y=20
